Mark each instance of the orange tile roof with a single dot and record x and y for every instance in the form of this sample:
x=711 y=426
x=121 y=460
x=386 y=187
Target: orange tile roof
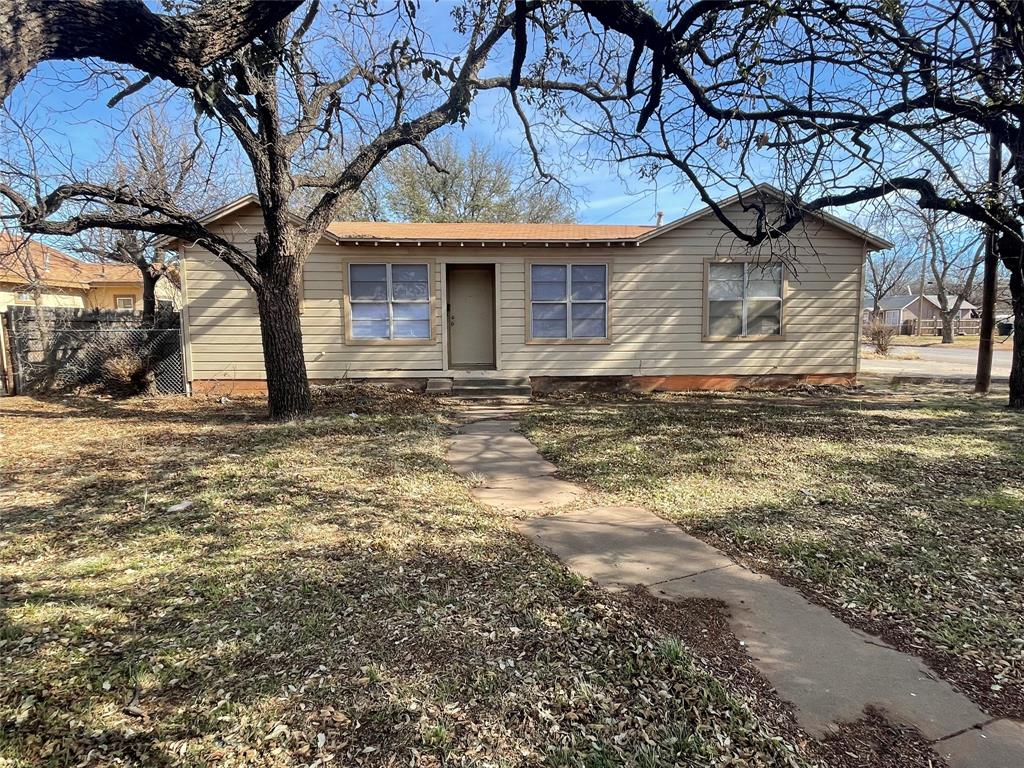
x=22 y=259
x=481 y=232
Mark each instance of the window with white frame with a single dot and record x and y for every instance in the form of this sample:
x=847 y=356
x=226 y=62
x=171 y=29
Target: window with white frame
x=125 y=303
x=23 y=297
x=389 y=301
x=569 y=301
x=744 y=299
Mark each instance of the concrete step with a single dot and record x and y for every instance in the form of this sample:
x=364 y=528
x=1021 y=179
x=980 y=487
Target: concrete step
x=484 y=391
x=492 y=381
x=439 y=386
x=490 y=387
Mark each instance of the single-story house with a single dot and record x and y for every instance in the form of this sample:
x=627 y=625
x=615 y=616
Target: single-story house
x=904 y=311
x=34 y=274
x=678 y=306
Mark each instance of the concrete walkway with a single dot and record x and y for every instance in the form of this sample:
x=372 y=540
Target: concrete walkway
x=828 y=670
x=508 y=472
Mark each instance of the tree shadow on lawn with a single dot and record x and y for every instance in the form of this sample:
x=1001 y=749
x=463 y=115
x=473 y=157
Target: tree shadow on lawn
x=905 y=517
x=444 y=652
x=332 y=577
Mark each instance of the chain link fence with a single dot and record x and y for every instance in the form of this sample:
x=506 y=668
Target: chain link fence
x=53 y=350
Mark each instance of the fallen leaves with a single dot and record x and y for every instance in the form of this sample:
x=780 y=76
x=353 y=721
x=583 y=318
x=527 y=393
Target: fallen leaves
x=332 y=595
x=904 y=512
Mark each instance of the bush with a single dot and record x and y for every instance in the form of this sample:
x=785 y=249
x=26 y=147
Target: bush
x=879 y=335
x=127 y=374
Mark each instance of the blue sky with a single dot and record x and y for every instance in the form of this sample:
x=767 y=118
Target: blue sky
x=77 y=126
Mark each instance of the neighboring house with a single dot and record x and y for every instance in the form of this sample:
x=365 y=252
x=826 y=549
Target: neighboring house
x=903 y=311
x=680 y=306
x=32 y=273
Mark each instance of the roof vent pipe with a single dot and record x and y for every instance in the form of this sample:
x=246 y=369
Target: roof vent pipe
x=661 y=217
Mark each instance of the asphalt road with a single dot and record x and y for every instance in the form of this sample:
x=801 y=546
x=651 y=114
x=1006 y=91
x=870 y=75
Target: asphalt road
x=949 y=362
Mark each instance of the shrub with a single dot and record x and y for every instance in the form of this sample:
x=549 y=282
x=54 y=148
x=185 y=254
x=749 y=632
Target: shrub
x=127 y=373
x=879 y=335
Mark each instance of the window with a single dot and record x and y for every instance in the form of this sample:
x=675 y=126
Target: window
x=125 y=303
x=23 y=297
x=568 y=301
x=389 y=301
x=744 y=299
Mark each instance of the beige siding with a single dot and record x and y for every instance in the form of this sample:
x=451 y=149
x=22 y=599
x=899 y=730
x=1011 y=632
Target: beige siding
x=656 y=307
x=67 y=298
x=105 y=296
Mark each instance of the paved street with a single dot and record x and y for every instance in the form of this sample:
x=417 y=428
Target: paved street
x=951 y=362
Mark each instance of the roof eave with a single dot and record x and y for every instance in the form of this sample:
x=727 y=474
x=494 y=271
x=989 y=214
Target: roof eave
x=165 y=241
x=502 y=243
x=873 y=242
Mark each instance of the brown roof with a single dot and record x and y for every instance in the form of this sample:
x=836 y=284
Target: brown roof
x=516 y=233
x=21 y=260
x=481 y=232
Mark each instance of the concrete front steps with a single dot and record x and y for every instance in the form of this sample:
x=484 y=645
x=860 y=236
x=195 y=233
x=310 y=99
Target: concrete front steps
x=480 y=388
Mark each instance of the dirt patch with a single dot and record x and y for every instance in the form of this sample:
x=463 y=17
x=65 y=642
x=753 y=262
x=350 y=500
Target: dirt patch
x=874 y=742
x=703 y=626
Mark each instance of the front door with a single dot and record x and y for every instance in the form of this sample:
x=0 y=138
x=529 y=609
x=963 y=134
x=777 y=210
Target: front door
x=470 y=316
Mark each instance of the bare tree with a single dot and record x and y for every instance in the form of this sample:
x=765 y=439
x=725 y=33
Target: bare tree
x=840 y=103
x=360 y=82
x=155 y=159
x=954 y=253
x=886 y=272
x=478 y=185
x=175 y=48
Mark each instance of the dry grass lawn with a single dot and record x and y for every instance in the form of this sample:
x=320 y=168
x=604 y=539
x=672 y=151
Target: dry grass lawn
x=903 y=512
x=964 y=342
x=332 y=596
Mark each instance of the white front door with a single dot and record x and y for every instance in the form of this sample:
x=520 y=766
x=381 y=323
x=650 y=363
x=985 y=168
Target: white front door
x=470 y=316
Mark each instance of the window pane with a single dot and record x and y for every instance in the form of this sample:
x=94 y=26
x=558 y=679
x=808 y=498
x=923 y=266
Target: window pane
x=719 y=290
x=764 y=318
x=725 y=318
x=588 y=321
x=549 y=329
x=370 y=311
x=368 y=282
x=409 y=290
x=368 y=272
x=765 y=280
x=370 y=329
x=549 y=273
x=548 y=282
x=549 y=311
x=369 y=291
x=410 y=273
x=409 y=282
x=412 y=329
x=549 y=321
x=411 y=311
x=548 y=291
x=725 y=281
x=725 y=271
x=588 y=281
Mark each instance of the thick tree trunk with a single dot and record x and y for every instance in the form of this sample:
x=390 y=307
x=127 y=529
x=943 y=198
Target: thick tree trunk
x=1017 y=362
x=148 y=296
x=288 y=392
x=947 y=329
